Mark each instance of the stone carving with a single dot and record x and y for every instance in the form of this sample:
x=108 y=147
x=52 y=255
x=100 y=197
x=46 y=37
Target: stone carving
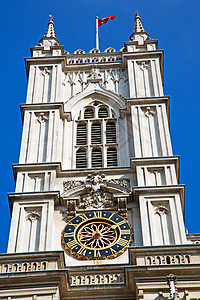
x=167 y=259
x=32 y=215
x=161 y=209
x=109 y=50
x=24 y=266
x=72 y=183
x=92 y=59
x=45 y=71
x=143 y=64
x=172 y=280
x=79 y=51
x=94 y=73
x=149 y=111
x=125 y=182
x=96 y=196
x=94 y=279
x=41 y=117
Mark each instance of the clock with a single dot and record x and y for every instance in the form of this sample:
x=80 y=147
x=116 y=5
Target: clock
x=97 y=235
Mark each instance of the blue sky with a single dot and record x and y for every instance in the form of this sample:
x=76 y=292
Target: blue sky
x=175 y=23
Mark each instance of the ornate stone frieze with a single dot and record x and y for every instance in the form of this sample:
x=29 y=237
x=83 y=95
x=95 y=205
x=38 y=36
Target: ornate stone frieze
x=94 y=279
x=95 y=196
x=95 y=193
x=23 y=266
x=167 y=259
x=69 y=184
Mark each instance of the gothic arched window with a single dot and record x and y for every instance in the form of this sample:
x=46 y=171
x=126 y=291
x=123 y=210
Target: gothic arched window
x=96 y=131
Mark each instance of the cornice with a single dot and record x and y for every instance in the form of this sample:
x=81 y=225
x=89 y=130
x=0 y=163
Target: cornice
x=145 y=101
x=46 y=106
x=142 y=161
x=154 y=190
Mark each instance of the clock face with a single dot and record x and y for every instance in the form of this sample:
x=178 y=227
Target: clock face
x=97 y=235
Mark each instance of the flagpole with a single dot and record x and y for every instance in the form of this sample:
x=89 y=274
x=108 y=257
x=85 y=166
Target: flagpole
x=97 y=34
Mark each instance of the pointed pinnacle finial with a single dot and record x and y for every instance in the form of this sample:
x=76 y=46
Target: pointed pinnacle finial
x=138 y=27
x=50 y=32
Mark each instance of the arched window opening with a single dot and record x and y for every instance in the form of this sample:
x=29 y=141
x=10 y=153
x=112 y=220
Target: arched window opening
x=103 y=112
x=81 y=159
x=110 y=133
x=96 y=133
x=81 y=136
x=89 y=113
x=96 y=137
x=111 y=157
x=96 y=158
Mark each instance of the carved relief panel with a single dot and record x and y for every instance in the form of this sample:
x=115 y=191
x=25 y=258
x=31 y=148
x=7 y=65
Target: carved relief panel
x=96 y=192
x=114 y=80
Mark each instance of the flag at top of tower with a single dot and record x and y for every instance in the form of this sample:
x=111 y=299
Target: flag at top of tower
x=105 y=20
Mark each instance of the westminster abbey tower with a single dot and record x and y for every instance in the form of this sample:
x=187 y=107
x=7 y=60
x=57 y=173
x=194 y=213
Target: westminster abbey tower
x=98 y=211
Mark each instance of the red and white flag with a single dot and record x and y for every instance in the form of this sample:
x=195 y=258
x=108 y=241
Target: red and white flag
x=105 y=20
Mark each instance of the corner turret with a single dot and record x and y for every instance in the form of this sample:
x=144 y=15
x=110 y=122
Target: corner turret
x=49 y=38
x=139 y=34
x=48 y=43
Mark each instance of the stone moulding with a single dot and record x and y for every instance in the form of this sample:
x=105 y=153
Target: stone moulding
x=165 y=255
x=23 y=266
x=96 y=279
x=31 y=262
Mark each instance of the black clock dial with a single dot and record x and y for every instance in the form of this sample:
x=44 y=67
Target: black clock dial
x=97 y=235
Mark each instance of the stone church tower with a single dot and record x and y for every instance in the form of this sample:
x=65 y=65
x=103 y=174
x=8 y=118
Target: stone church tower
x=98 y=209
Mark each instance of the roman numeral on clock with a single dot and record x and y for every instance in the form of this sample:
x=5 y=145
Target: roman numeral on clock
x=68 y=234
x=72 y=244
x=83 y=217
x=98 y=214
x=113 y=251
x=122 y=242
x=97 y=253
x=125 y=231
x=82 y=251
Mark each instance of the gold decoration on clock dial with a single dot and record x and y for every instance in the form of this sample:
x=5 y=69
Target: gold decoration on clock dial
x=97 y=235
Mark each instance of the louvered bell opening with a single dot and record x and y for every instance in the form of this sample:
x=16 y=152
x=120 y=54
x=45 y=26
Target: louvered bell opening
x=110 y=133
x=111 y=157
x=81 y=161
x=103 y=113
x=81 y=137
x=89 y=113
x=96 y=133
x=96 y=158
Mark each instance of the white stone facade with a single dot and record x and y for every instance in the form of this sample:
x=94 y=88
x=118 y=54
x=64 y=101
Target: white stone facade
x=87 y=115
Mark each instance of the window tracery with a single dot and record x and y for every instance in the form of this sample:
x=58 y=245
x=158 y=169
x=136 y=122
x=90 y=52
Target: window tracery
x=96 y=137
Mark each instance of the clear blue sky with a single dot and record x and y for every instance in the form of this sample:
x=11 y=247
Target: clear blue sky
x=175 y=23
